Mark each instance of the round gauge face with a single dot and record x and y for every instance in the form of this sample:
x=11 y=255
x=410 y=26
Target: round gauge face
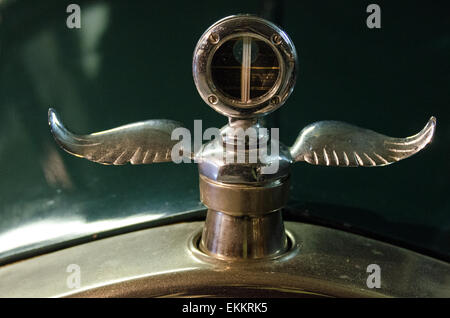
x=245 y=68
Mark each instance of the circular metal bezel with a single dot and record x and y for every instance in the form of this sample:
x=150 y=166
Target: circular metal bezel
x=237 y=26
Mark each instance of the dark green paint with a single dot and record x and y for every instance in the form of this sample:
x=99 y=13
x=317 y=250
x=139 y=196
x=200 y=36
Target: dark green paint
x=390 y=80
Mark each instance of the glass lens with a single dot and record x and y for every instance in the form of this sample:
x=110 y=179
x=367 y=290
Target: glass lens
x=244 y=68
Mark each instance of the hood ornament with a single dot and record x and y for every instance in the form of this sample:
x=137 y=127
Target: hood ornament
x=244 y=67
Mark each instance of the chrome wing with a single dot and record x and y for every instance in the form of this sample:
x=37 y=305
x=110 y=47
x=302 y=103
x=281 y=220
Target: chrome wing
x=139 y=143
x=333 y=143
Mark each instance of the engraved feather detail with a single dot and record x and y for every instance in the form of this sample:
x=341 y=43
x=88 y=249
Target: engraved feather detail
x=139 y=143
x=333 y=143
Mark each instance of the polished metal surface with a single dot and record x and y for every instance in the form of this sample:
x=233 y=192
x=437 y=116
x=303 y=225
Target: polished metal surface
x=333 y=143
x=244 y=199
x=260 y=236
x=139 y=143
x=214 y=163
x=244 y=189
x=233 y=27
x=166 y=262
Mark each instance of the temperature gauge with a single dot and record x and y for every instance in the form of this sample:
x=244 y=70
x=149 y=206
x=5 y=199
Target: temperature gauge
x=244 y=66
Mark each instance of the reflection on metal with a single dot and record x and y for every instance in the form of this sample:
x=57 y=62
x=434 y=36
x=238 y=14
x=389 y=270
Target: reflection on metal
x=139 y=143
x=96 y=19
x=244 y=199
x=248 y=72
x=333 y=143
x=244 y=67
x=67 y=228
x=321 y=262
x=260 y=236
x=54 y=169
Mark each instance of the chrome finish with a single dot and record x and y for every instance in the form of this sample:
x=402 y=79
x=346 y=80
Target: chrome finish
x=233 y=27
x=213 y=163
x=258 y=236
x=242 y=193
x=321 y=262
x=242 y=199
x=333 y=143
x=139 y=143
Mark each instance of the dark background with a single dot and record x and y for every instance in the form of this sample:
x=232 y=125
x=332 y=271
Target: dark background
x=131 y=61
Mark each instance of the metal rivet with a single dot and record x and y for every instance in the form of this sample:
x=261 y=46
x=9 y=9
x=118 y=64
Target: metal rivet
x=275 y=100
x=213 y=38
x=276 y=39
x=212 y=99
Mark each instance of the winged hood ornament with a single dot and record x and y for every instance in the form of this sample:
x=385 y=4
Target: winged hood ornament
x=334 y=143
x=244 y=67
